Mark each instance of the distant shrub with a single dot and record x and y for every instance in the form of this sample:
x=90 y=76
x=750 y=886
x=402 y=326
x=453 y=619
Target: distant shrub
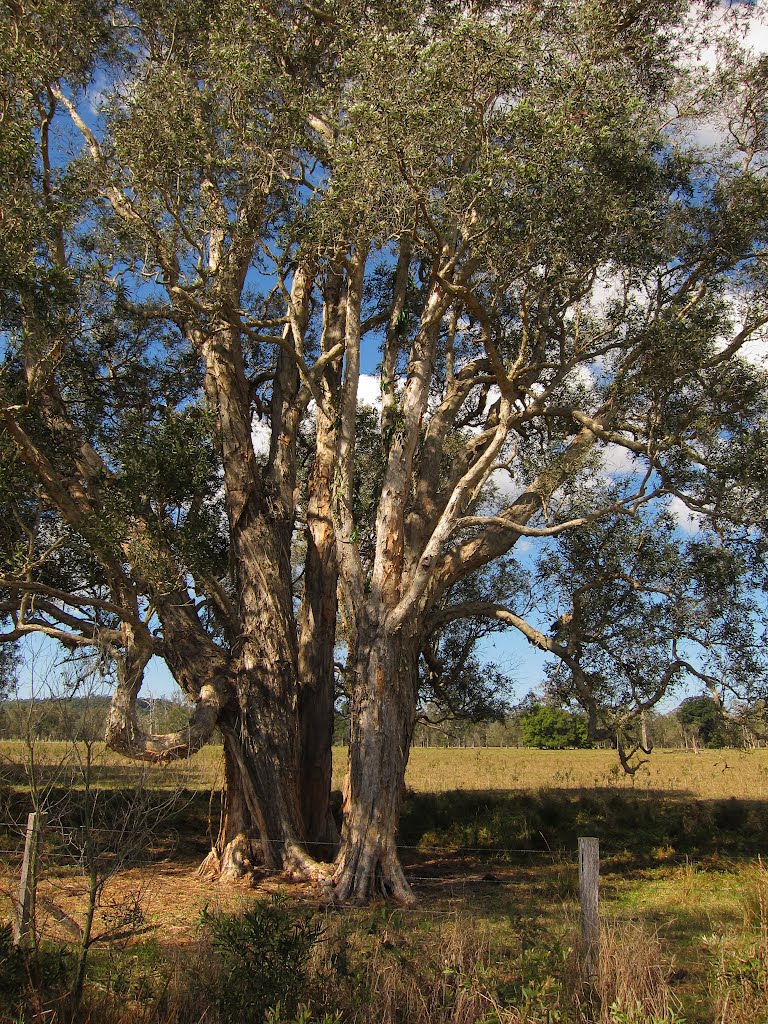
x=553 y=728
x=13 y=974
x=40 y=976
x=703 y=718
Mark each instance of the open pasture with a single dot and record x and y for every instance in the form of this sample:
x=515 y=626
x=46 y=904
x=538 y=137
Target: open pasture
x=710 y=774
x=488 y=836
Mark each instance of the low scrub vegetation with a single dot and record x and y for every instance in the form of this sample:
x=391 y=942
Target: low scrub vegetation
x=271 y=963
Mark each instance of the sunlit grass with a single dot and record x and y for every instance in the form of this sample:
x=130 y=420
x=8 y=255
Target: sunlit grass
x=711 y=774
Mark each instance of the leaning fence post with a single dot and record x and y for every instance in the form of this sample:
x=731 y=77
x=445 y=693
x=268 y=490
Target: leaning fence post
x=28 y=884
x=589 y=874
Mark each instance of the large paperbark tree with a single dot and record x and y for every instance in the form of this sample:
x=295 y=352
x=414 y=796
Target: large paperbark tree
x=499 y=208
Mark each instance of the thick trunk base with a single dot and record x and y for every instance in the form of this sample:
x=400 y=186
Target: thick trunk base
x=234 y=861
x=364 y=874
x=315 y=770
x=320 y=829
x=236 y=850
x=261 y=824
x=383 y=710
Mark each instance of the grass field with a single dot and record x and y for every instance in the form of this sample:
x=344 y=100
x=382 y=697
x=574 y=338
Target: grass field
x=710 y=774
x=489 y=840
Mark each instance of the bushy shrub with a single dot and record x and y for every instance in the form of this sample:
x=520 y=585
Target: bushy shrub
x=41 y=976
x=553 y=728
x=12 y=970
x=262 y=956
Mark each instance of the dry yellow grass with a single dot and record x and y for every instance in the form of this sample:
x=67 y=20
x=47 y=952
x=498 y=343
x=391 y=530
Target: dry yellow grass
x=711 y=774
x=691 y=908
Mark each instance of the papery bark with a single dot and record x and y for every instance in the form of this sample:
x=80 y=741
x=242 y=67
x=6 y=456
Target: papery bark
x=384 y=694
x=319 y=607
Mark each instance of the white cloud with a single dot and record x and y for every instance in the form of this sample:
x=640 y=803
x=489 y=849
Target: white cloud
x=617 y=461
x=757 y=33
x=687 y=521
x=97 y=91
x=744 y=23
x=505 y=485
x=755 y=351
x=260 y=435
x=369 y=390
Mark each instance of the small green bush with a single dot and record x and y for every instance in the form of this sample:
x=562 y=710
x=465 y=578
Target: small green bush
x=261 y=959
x=303 y=1015
x=42 y=974
x=13 y=974
x=553 y=728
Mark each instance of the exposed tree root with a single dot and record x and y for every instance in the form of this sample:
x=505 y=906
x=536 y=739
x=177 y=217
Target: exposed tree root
x=236 y=860
x=364 y=873
x=240 y=858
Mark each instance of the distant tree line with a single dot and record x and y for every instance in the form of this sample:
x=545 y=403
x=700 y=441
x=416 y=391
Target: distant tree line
x=699 y=722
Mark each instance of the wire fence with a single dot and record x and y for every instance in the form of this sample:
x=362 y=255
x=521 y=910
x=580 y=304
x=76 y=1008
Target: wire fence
x=68 y=846
x=81 y=845
x=69 y=833
x=114 y=850
x=42 y=853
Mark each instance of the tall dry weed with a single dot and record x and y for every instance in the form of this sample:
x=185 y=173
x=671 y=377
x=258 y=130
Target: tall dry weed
x=633 y=978
x=452 y=973
x=739 y=977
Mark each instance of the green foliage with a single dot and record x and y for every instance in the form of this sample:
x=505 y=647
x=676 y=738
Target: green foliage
x=303 y=1015
x=76 y=718
x=551 y=728
x=13 y=973
x=43 y=972
x=639 y=1015
x=705 y=718
x=575 y=267
x=639 y=610
x=738 y=977
x=262 y=957
x=9 y=663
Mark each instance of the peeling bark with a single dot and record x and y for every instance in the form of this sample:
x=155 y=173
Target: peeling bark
x=236 y=850
x=123 y=733
x=319 y=607
x=383 y=714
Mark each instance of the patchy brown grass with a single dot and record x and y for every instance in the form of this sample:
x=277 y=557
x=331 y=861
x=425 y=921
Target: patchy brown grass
x=711 y=774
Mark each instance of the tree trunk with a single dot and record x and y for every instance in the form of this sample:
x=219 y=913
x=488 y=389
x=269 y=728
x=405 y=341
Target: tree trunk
x=383 y=716
x=264 y=738
x=644 y=740
x=261 y=818
x=317 y=616
x=236 y=849
x=316 y=699
x=317 y=639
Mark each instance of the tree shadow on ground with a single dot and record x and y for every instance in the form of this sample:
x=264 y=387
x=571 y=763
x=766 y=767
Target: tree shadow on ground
x=637 y=829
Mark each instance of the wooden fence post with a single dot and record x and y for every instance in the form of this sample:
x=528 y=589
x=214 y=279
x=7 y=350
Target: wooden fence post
x=29 y=870
x=589 y=875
